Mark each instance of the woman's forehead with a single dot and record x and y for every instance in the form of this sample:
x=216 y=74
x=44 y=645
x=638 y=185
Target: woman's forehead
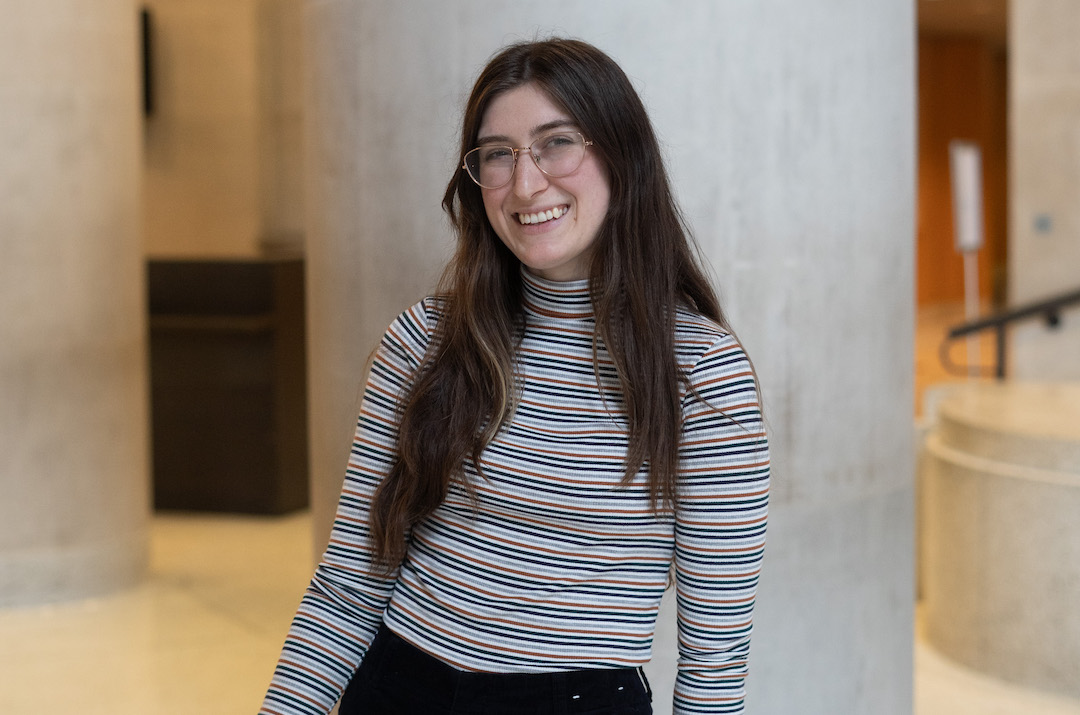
x=524 y=112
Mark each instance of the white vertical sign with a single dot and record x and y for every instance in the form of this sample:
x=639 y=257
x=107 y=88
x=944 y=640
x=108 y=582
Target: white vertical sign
x=965 y=165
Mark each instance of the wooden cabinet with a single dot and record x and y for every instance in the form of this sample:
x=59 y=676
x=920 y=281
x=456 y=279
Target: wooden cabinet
x=228 y=385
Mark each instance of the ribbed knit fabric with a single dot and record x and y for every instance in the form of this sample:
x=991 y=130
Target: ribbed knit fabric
x=558 y=565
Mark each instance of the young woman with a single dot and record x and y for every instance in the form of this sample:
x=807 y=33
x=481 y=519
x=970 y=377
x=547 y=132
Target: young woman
x=568 y=423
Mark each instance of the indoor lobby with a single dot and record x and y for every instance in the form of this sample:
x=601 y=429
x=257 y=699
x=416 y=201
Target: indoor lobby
x=210 y=210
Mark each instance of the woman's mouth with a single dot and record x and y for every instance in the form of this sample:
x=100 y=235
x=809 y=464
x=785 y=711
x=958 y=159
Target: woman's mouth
x=526 y=219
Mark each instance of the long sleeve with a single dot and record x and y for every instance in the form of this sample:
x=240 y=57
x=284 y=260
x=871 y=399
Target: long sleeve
x=343 y=606
x=719 y=529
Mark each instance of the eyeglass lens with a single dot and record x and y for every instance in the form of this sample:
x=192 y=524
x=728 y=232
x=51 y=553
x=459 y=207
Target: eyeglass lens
x=556 y=155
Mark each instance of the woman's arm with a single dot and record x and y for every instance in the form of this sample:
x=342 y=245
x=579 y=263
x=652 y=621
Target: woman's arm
x=344 y=603
x=719 y=529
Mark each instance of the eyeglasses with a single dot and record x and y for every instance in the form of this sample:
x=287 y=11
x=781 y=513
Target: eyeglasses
x=492 y=167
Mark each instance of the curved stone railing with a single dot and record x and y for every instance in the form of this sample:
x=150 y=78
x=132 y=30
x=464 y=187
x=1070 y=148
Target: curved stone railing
x=1000 y=542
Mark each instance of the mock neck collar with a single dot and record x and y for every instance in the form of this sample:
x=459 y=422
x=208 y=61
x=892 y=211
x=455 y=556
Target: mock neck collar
x=565 y=300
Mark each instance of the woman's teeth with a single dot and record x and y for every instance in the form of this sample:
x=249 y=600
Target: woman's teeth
x=542 y=216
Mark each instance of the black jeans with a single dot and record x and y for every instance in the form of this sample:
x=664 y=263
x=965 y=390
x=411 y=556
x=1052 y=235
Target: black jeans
x=395 y=678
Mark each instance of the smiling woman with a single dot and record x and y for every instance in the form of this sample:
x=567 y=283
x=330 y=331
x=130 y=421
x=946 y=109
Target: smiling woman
x=548 y=217
x=569 y=422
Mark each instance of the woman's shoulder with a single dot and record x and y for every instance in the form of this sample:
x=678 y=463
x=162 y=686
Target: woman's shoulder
x=412 y=332
x=696 y=335
x=428 y=311
x=423 y=316
x=716 y=367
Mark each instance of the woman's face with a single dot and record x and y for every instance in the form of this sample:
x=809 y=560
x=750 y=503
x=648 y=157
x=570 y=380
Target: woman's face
x=558 y=248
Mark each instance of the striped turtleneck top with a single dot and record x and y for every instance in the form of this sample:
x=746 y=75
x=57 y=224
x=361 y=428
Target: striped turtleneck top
x=557 y=564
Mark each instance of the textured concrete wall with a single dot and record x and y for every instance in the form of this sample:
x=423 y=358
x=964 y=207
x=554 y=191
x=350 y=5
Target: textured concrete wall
x=1044 y=183
x=73 y=406
x=789 y=130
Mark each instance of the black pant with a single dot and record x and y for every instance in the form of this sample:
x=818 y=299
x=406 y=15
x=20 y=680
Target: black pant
x=396 y=678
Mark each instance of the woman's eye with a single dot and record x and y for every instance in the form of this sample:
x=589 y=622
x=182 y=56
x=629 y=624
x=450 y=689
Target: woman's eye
x=496 y=153
x=557 y=141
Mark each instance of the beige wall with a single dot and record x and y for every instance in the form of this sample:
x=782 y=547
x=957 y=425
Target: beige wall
x=281 y=167
x=1044 y=241
x=74 y=477
x=223 y=147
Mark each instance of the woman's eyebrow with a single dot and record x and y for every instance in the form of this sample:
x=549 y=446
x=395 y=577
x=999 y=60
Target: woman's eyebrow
x=556 y=124
x=536 y=131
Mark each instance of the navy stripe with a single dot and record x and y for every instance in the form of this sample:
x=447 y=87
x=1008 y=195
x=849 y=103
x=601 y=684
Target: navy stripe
x=556 y=564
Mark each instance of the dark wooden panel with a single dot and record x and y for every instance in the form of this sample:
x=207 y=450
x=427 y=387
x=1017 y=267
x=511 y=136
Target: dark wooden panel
x=228 y=385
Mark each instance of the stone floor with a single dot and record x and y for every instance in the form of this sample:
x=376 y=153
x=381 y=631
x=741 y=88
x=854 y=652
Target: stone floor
x=201 y=635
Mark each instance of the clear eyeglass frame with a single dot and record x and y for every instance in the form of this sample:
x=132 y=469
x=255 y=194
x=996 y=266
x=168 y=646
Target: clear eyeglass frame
x=538 y=150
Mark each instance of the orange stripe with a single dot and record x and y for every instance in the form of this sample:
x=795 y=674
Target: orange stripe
x=475 y=588
x=533 y=547
x=730 y=438
x=496 y=511
x=531 y=574
x=726 y=496
x=458 y=637
x=741 y=466
x=751 y=522
x=549 y=628
x=298 y=694
x=560 y=506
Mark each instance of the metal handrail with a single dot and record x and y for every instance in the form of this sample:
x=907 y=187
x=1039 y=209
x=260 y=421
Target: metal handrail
x=1049 y=309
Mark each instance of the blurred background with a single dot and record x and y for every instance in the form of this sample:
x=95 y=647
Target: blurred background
x=211 y=209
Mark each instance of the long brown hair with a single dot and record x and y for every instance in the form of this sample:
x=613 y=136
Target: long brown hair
x=642 y=268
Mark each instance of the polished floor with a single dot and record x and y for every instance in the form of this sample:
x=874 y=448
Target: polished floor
x=202 y=633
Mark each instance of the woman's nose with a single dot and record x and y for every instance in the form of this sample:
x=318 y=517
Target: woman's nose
x=528 y=179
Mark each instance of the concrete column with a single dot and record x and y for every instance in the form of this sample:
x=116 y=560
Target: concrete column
x=789 y=128
x=1044 y=181
x=73 y=405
